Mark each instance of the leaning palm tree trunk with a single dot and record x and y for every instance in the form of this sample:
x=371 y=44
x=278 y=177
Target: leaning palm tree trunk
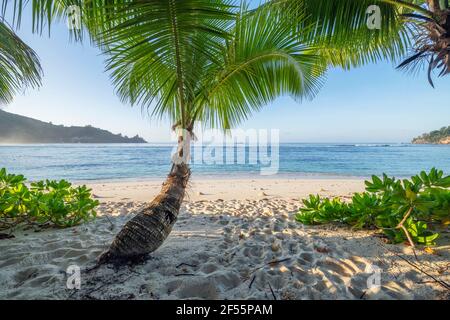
x=147 y=231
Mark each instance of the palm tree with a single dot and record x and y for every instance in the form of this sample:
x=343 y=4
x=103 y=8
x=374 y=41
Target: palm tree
x=19 y=65
x=190 y=60
x=197 y=61
x=205 y=60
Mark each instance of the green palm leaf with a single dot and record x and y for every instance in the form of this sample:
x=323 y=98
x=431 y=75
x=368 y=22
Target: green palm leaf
x=262 y=61
x=157 y=49
x=19 y=65
x=340 y=28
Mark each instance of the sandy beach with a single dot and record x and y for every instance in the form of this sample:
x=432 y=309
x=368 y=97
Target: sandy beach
x=230 y=188
x=234 y=239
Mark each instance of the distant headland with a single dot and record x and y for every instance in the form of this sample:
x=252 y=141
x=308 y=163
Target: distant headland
x=441 y=136
x=19 y=129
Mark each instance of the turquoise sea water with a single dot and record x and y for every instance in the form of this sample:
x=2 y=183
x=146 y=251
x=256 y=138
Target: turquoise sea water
x=81 y=162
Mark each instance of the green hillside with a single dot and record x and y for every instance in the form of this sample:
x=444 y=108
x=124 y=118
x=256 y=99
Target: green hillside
x=19 y=129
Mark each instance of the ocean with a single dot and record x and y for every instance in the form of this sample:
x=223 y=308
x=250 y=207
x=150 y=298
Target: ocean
x=99 y=162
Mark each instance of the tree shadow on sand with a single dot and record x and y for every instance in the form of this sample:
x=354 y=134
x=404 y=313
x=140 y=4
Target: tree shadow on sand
x=227 y=256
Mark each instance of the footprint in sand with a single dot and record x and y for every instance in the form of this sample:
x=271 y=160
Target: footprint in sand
x=208 y=268
x=335 y=266
x=197 y=288
x=225 y=280
x=307 y=259
x=253 y=250
x=304 y=276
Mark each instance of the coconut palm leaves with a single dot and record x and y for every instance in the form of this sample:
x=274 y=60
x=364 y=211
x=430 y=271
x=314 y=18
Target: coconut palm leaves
x=157 y=50
x=19 y=65
x=43 y=12
x=420 y=26
x=262 y=60
x=339 y=31
x=341 y=28
x=204 y=60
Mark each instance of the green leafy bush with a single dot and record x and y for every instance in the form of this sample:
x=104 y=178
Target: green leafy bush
x=404 y=209
x=50 y=203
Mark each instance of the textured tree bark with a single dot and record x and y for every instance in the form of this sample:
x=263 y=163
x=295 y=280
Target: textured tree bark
x=147 y=231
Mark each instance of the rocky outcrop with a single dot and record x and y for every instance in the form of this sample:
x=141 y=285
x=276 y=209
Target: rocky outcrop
x=441 y=136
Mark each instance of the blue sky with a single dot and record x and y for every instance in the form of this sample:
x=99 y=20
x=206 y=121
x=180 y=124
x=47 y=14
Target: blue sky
x=374 y=103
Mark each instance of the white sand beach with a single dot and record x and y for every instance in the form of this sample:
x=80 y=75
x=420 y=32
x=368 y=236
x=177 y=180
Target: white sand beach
x=234 y=239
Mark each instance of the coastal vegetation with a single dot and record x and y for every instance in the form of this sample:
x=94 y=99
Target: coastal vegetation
x=406 y=210
x=441 y=136
x=18 y=129
x=43 y=203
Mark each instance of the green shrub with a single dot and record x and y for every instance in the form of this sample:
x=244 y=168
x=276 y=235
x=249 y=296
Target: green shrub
x=403 y=209
x=50 y=203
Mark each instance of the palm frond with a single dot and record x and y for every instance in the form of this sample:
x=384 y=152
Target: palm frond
x=19 y=65
x=152 y=45
x=43 y=12
x=261 y=62
x=341 y=29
